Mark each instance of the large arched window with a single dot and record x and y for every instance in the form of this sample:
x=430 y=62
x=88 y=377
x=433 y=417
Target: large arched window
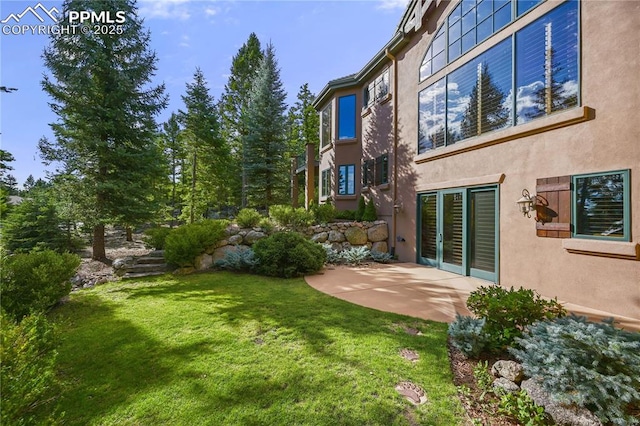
x=469 y=24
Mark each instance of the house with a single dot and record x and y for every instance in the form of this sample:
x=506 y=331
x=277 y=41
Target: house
x=497 y=138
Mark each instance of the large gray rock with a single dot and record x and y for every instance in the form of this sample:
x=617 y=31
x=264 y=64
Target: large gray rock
x=562 y=415
x=336 y=237
x=378 y=232
x=380 y=247
x=235 y=240
x=253 y=236
x=356 y=236
x=506 y=385
x=510 y=370
x=204 y=261
x=221 y=252
x=320 y=238
x=122 y=263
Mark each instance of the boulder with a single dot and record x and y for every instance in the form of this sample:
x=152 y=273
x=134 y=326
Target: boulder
x=380 y=247
x=378 y=232
x=235 y=240
x=561 y=414
x=335 y=237
x=356 y=236
x=320 y=238
x=510 y=370
x=506 y=385
x=204 y=261
x=122 y=263
x=221 y=252
x=253 y=236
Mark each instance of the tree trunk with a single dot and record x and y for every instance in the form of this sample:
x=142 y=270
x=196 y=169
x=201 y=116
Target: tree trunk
x=129 y=234
x=99 y=253
x=193 y=188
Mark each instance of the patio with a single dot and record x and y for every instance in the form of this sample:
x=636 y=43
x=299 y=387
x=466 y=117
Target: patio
x=418 y=291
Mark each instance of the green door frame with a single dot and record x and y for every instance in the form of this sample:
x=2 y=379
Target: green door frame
x=442 y=264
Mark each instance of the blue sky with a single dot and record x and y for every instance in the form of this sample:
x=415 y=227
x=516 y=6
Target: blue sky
x=315 y=41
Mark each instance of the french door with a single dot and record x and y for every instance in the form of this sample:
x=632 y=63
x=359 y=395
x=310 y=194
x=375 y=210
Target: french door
x=458 y=231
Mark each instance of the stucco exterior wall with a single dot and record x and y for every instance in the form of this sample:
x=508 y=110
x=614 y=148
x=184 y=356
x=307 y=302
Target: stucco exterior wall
x=608 y=139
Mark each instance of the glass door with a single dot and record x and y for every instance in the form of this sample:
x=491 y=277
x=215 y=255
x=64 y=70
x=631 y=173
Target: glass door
x=451 y=234
x=483 y=234
x=428 y=230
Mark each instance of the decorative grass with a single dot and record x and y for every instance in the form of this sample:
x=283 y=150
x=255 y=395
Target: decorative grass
x=233 y=349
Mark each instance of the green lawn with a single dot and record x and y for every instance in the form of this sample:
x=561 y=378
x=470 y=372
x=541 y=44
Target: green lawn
x=228 y=349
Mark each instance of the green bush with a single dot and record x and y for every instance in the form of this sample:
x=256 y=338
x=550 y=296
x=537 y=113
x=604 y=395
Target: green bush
x=325 y=213
x=241 y=260
x=593 y=365
x=266 y=225
x=468 y=336
x=346 y=214
x=362 y=204
x=521 y=407
x=27 y=374
x=34 y=282
x=333 y=256
x=370 y=214
x=187 y=242
x=381 y=257
x=156 y=237
x=508 y=312
x=288 y=254
x=248 y=218
x=355 y=255
x=289 y=217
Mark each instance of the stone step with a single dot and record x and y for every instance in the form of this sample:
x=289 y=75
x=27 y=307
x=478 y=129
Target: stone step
x=147 y=268
x=143 y=274
x=149 y=260
x=156 y=253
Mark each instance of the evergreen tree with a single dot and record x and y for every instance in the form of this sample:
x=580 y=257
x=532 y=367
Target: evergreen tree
x=206 y=153
x=174 y=152
x=266 y=166
x=7 y=181
x=486 y=105
x=233 y=109
x=105 y=133
x=303 y=121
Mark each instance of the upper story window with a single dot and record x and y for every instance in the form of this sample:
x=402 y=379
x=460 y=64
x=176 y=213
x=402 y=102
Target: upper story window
x=325 y=131
x=375 y=171
x=377 y=89
x=601 y=205
x=347 y=117
x=468 y=25
x=478 y=96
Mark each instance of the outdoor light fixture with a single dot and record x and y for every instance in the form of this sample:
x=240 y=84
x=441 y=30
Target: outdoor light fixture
x=526 y=203
x=397 y=207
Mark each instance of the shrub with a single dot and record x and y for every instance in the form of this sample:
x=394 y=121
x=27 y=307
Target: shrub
x=521 y=407
x=187 y=242
x=362 y=203
x=346 y=214
x=468 y=336
x=266 y=224
x=35 y=281
x=248 y=218
x=508 y=312
x=156 y=237
x=288 y=254
x=334 y=257
x=381 y=257
x=289 y=217
x=593 y=365
x=355 y=255
x=370 y=214
x=27 y=373
x=325 y=213
x=241 y=260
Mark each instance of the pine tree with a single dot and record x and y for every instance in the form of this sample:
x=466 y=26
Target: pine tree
x=486 y=105
x=7 y=181
x=105 y=133
x=233 y=109
x=303 y=120
x=266 y=166
x=175 y=157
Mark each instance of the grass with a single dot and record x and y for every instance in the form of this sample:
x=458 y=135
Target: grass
x=232 y=349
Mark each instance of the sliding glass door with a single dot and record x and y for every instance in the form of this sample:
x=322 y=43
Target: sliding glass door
x=458 y=231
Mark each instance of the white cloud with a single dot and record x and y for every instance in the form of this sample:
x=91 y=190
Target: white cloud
x=165 y=9
x=211 y=11
x=393 y=4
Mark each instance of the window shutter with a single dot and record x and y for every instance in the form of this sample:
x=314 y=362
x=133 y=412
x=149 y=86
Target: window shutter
x=553 y=209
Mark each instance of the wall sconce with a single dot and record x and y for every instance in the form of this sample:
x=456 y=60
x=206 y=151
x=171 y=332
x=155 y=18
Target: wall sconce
x=397 y=207
x=527 y=203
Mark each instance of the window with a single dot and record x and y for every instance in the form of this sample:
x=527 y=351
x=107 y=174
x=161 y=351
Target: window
x=601 y=206
x=478 y=96
x=347 y=179
x=347 y=117
x=382 y=170
x=435 y=58
x=367 y=173
x=325 y=135
x=377 y=89
x=326 y=183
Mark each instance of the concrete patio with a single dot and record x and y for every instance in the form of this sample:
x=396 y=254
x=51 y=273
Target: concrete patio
x=418 y=291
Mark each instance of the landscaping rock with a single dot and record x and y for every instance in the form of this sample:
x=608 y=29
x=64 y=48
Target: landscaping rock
x=235 y=240
x=336 y=237
x=253 y=236
x=380 y=247
x=509 y=370
x=414 y=393
x=321 y=237
x=506 y=385
x=221 y=252
x=562 y=415
x=378 y=233
x=122 y=263
x=204 y=261
x=356 y=236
